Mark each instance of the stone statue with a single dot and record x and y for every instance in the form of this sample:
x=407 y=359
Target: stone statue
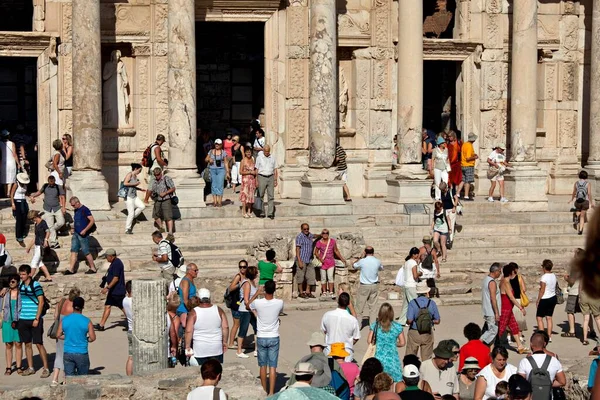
x=342 y=98
x=115 y=93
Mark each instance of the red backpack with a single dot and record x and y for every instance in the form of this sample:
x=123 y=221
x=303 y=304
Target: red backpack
x=147 y=156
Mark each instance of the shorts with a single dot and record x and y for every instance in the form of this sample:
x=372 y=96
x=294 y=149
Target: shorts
x=114 y=301
x=202 y=360
x=167 y=273
x=268 y=351
x=235 y=314
x=328 y=274
x=498 y=177
x=572 y=306
x=343 y=175
x=79 y=242
x=546 y=307
x=307 y=273
x=582 y=205
x=36 y=261
x=246 y=319
x=30 y=334
x=589 y=305
x=129 y=344
x=163 y=210
x=468 y=174
x=442 y=233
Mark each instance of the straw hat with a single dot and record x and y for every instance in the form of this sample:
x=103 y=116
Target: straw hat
x=23 y=178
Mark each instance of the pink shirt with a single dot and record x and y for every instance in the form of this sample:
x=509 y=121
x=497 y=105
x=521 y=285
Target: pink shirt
x=328 y=259
x=351 y=372
x=227 y=145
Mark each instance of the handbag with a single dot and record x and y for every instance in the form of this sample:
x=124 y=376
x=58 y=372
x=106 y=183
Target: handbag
x=524 y=299
x=122 y=193
x=53 y=330
x=560 y=297
x=174 y=198
x=206 y=175
x=315 y=262
x=372 y=347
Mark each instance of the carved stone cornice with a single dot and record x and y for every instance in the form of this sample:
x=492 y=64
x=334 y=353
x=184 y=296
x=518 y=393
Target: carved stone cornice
x=25 y=44
x=448 y=49
x=236 y=10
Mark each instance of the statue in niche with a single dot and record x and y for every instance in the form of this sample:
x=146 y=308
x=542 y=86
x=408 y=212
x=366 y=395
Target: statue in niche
x=342 y=98
x=115 y=93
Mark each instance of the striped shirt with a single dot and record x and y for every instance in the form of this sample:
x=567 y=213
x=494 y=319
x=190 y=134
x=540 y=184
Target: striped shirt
x=340 y=155
x=29 y=301
x=305 y=242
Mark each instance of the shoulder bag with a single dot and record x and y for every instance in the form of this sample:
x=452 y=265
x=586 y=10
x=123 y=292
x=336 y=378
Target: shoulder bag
x=372 y=347
x=524 y=299
x=174 y=198
x=53 y=330
x=315 y=262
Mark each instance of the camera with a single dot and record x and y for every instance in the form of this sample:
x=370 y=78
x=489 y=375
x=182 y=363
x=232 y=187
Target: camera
x=103 y=282
x=218 y=163
x=14 y=324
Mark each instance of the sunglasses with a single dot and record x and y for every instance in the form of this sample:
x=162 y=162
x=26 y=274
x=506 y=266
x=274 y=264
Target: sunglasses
x=243 y=266
x=324 y=233
x=14 y=282
x=306 y=229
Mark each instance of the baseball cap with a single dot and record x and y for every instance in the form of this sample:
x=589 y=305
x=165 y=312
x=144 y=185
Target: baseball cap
x=109 y=252
x=410 y=371
x=204 y=293
x=519 y=387
x=304 y=368
x=218 y=141
x=78 y=303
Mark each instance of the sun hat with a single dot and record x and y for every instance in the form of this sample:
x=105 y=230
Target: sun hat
x=218 y=141
x=422 y=287
x=471 y=363
x=472 y=137
x=410 y=371
x=499 y=146
x=204 y=293
x=317 y=339
x=304 y=368
x=427 y=239
x=444 y=350
x=338 y=350
x=181 y=271
x=440 y=140
x=23 y=178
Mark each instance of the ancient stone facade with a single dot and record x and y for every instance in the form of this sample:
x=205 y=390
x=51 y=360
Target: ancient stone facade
x=522 y=78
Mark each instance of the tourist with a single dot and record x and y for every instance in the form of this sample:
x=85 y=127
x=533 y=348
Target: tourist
x=64 y=308
x=77 y=332
x=186 y=291
x=382 y=383
x=420 y=332
x=135 y=205
x=519 y=388
x=546 y=300
x=501 y=391
x=211 y=372
x=259 y=142
x=341 y=327
x=157 y=160
x=497 y=166
x=163 y=190
x=429 y=265
x=412 y=391
x=467 y=163
x=411 y=359
x=40 y=241
x=218 y=168
x=305 y=272
x=325 y=251
x=387 y=335
x=368 y=290
x=267 y=317
x=489 y=376
x=474 y=348
x=454 y=157
x=248 y=173
x=466 y=378
x=427 y=146
x=238 y=155
x=439 y=372
x=228 y=144
x=449 y=202
x=113 y=286
x=267 y=268
x=507 y=301
x=83 y=223
x=67 y=142
x=490 y=303
x=572 y=304
x=519 y=290
x=247 y=317
x=411 y=277
x=591 y=374
x=163 y=256
x=58 y=163
x=31 y=322
x=18 y=200
x=440 y=229
x=589 y=307
x=345 y=288
x=234 y=287
x=350 y=369
x=10 y=161
x=208 y=327
x=173 y=325
x=540 y=359
x=267 y=177
x=128 y=309
x=54 y=207
x=342 y=168
x=370 y=369
x=441 y=166
x=582 y=200
x=11 y=304
x=5 y=258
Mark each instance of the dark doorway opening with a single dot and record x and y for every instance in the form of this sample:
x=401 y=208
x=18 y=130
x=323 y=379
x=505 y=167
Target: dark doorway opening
x=18 y=108
x=439 y=95
x=229 y=74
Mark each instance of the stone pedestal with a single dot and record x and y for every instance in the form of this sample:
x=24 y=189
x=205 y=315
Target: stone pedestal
x=285 y=281
x=408 y=185
x=289 y=180
x=91 y=188
x=190 y=188
x=150 y=336
x=562 y=178
x=319 y=187
x=525 y=187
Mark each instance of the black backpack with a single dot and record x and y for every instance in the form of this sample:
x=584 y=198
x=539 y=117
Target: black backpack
x=33 y=297
x=427 y=262
x=176 y=257
x=424 y=320
x=232 y=298
x=539 y=377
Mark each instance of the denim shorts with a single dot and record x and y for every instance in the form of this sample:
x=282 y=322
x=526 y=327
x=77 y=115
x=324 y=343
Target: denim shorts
x=246 y=319
x=235 y=314
x=79 y=242
x=268 y=352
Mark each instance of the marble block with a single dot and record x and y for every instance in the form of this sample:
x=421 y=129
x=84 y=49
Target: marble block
x=526 y=183
x=562 y=178
x=190 y=188
x=408 y=184
x=289 y=181
x=91 y=188
x=319 y=187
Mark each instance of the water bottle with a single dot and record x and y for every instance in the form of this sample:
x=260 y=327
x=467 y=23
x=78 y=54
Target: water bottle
x=172 y=361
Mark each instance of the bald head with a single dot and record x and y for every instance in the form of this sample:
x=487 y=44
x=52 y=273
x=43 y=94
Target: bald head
x=386 y=396
x=537 y=342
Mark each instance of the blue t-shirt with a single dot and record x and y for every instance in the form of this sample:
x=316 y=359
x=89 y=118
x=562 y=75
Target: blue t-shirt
x=75 y=326
x=29 y=299
x=420 y=302
x=593 y=371
x=116 y=269
x=191 y=293
x=81 y=219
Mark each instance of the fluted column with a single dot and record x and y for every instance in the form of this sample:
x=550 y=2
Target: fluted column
x=87 y=181
x=150 y=334
x=593 y=165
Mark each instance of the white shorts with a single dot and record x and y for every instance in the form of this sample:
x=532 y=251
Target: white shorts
x=498 y=177
x=343 y=175
x=36 y=261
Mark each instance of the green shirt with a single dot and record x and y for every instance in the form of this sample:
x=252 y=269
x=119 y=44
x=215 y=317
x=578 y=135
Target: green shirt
x=267 y=270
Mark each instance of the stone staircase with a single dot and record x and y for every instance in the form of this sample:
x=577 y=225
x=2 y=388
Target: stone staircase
x=216 y=239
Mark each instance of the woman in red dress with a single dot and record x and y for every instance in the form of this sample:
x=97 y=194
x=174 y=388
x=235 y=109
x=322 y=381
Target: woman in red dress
x=507 y=299
x=455 y=174
x=248 y=183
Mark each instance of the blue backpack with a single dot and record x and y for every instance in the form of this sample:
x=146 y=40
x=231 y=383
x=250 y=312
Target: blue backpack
x=339 y=383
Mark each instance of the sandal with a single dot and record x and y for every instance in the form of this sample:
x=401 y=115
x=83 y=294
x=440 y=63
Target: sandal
x=20 y=370
x=585 y=343
x=8 y=371
x=567 y=334
x=522 y=350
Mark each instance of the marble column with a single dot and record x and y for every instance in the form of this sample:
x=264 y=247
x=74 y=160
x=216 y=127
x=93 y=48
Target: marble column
x=593 y=166
x=150 y=336
x=408 y=183
x=182 y=103
x=526 y=182
x=87 y=181
x=318 y=185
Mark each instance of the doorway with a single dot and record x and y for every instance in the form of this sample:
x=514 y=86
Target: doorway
x=439 y=95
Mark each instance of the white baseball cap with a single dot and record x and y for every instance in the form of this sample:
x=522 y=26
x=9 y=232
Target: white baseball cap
x=410 y=371
x=204 y=293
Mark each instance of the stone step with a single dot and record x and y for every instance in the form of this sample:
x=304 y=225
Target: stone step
x=462 y=243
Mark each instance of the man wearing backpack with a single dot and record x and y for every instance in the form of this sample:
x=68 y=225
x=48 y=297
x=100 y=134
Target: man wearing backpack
x=422 y=315
x=541 y=370
x=54 y=208
x=168 y=256
x=153 y=158
x=582 y=200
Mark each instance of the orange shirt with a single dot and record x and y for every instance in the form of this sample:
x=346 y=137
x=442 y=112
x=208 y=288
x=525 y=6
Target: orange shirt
x=467 y=152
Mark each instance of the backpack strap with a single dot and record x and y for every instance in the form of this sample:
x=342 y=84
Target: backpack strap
x=532 y=362
x=546 y=363
x=426 y=306
x=216 y=392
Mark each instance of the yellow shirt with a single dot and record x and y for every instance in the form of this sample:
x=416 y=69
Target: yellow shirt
x=467 y=151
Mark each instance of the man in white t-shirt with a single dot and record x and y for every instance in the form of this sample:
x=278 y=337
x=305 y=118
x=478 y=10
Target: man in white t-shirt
x=267 y=323
x=163 y=256
x=546 y=300
x=211 y=372
x=340 y=326
x=440 y=372
x=497 y=165
x=555 y=370
x=128 y=309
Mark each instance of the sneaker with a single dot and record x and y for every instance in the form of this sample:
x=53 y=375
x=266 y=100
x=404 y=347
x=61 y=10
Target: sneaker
x=67 y=272
x=491 y=199
x=45 y=373
x=129 y=232
x=504 y=200
x=98 y=327
x=54 y=384
x=242 y=355
x=28 y=371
